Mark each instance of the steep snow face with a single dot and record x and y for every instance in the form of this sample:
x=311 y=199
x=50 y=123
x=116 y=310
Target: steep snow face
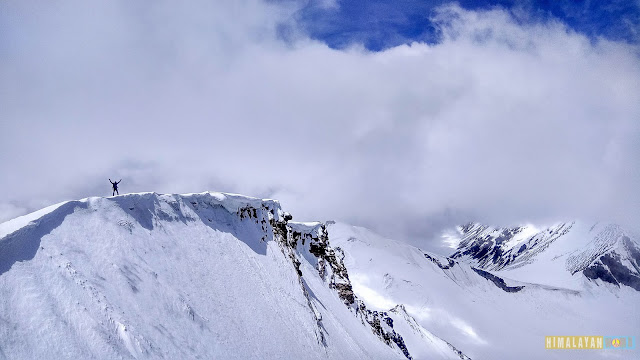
x=423 y=343
x=311 y=240
x=618 y=266
x=487 y=314
x=172 y=276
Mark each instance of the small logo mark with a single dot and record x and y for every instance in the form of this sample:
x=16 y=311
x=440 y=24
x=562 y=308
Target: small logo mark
x=615 y=342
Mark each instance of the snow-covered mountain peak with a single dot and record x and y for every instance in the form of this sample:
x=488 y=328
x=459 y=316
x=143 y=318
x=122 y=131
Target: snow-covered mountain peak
x=604 y=238
x=504 y=248
x=611 y=256
x=145 y=202
x=206 y=275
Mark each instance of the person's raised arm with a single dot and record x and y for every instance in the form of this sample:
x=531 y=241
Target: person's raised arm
x=110 y=181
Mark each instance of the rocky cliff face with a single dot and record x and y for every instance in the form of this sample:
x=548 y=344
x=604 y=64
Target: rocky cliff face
x=300 y=240
x=313 y=239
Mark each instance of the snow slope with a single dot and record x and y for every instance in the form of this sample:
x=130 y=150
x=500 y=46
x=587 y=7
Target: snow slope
x=485 y=315
x=147 y=275
x=214 y=275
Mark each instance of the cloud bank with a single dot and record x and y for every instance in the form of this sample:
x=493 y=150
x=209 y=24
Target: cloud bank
x=501 y=122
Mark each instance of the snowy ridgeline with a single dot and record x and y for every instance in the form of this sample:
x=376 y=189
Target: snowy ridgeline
x=206 y=275
x=214 y=275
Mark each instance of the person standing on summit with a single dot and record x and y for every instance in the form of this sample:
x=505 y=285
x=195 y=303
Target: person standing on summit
x=115 y=186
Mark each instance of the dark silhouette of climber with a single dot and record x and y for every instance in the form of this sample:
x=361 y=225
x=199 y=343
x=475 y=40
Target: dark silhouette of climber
x=115 y=186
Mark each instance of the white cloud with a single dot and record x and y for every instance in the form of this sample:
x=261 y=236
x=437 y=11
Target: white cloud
x=10 y=211
x=500 y=122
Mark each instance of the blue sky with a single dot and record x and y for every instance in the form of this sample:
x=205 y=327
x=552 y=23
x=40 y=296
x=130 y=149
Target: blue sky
x=380 y=24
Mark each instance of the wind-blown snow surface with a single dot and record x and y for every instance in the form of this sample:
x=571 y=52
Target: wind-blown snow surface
x=215 y=275
x=488 y=315
x=170 y=276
